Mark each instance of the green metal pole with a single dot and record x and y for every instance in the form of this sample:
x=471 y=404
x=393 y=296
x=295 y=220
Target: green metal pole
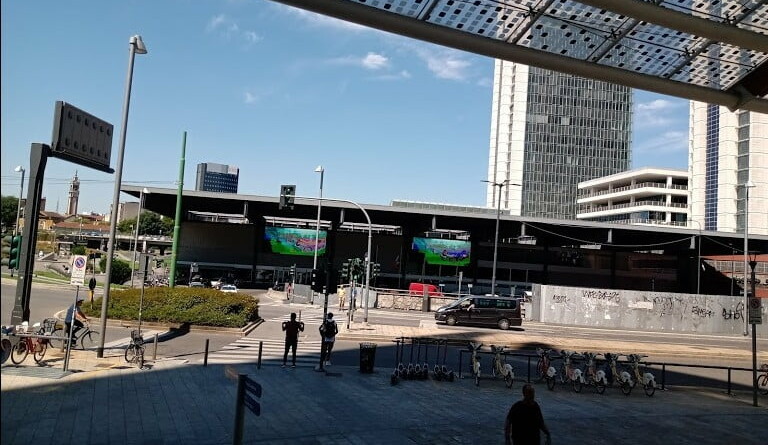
x=177 y=220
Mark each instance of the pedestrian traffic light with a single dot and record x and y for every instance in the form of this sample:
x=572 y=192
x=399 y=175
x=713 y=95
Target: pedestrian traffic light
x=318 y=280
x=292 y=271
x=287 y=195
x=375 y=270
x=345 y=271
x=12 y=251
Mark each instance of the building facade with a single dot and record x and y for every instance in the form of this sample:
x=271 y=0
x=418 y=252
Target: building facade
x=217 y=178
x=550 y=131
x=727 y=151
x=652 y=196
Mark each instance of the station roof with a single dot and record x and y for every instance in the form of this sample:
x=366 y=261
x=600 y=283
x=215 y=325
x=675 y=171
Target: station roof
x=418 y=221
x=713 y=51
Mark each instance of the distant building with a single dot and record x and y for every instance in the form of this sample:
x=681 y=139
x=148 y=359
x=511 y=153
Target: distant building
x=217 y=178
x=649 y=196
x=726 y=150
x=74 y=195
x=125 y=210
x=550 y=131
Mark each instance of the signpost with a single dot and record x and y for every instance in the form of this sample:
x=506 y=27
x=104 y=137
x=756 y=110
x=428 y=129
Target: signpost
x=77 y=278
x=755 y=311
x=248 y=391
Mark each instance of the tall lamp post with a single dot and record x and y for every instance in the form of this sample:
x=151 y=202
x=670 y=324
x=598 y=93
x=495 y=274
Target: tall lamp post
x=698 y=261
x=135 y=46
x=500 y=185
x=320 y=170
x=136 y=235
x=747 y=185
x=18 y=205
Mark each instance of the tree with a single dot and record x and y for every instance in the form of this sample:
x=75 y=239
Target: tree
x=126 y=225
x=9 y=206
x=121 y=271
x=78 y=250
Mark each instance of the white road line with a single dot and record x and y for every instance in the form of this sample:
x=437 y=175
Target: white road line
x=246 y=350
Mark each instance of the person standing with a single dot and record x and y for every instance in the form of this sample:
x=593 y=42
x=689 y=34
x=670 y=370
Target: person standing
x=524 y=421
x=292 y=329
x=328 y=331
x=342 y=293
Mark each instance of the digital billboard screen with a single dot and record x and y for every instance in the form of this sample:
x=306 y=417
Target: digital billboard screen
x=293 y=241
x=446 y=252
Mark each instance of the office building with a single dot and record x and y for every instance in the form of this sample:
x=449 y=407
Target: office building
x=645 y=196
x=217 y=178
x=726 y=151
x=550 y=131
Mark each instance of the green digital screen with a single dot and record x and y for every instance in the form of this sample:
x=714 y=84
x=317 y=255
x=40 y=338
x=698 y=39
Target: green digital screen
x=444 y=252
x=293 y=241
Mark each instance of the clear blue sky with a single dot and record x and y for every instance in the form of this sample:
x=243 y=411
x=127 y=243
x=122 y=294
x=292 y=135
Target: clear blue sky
x=273 y=90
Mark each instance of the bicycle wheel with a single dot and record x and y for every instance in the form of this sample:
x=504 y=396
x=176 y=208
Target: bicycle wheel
x=19 y=352
x=130 y=353
x=540 y=369
x=650 y=388
x=477 y=379
x=762 y=383
x=550 y=383
x=626 y=388
x=140 y=356
x=576 y=385
x=59 y=337
x=40 y=348
x=509 y=380
x=600 y=386
x=89 y=340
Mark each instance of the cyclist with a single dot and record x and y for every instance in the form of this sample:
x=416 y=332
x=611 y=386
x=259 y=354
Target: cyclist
x=75 y=312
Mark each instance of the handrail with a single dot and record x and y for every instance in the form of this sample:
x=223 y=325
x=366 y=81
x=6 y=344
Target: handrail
x=638 y=185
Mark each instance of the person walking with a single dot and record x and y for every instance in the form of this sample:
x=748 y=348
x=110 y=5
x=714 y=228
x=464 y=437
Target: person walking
x=524 y=421
x=292 y=329
x=328 y=331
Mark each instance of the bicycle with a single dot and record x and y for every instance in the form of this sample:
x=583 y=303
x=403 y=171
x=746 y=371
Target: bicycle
x=595 y=377
x=38 y=346
x=475 y=363
x=646 y=378
x=762 y=379
x=544 y=368
x=500 y=368
x=622 y=377
x=134 y=352
x=86 y=337
x=568 y=372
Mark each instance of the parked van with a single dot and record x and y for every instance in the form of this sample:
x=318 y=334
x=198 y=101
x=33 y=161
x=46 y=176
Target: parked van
x=417 y=289
x=482 y=311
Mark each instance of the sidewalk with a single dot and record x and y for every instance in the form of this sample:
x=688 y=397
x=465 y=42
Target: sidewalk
x=105 y=401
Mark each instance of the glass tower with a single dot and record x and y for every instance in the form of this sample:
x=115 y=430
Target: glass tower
x=550 y=131
x=217 y=178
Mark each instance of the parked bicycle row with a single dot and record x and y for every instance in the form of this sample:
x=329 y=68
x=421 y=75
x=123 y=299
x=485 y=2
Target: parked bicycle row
x=418 y=369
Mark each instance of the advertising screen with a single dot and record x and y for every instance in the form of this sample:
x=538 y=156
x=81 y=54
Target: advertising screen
x=446 y=252
x=292 y=241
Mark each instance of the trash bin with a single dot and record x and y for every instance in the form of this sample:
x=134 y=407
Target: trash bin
x=367 y=357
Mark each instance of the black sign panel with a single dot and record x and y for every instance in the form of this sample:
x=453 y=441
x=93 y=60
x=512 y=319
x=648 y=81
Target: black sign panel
x=81 y=137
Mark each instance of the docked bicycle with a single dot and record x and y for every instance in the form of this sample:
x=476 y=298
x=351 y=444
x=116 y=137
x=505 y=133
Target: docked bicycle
x=500 y=367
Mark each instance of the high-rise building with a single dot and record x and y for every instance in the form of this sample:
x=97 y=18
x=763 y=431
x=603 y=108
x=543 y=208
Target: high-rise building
x=550 y=131
x=74 y=195
x=728 y=150
x=217 y=178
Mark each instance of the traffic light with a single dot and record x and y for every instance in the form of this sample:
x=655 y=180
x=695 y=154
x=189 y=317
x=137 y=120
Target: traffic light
x=287 y=195
x=345 y=271
x=375 y=270
x=12 y=251
x=318 y=280
x=292 y=271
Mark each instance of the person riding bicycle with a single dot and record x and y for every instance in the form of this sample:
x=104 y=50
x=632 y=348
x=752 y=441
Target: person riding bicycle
x=79 y=317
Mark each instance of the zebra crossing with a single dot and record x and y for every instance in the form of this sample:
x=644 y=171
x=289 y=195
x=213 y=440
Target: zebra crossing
x=307 y=317
x=246 y=350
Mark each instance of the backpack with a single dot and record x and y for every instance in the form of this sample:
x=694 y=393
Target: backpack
x=329 y=329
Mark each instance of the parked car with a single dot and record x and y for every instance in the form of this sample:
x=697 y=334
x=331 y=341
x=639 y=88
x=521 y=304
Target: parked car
x=417 y=289
x=228 y=288
x=196 y=284
x=482 y=311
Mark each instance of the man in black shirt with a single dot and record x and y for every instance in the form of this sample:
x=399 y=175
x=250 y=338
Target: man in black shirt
x=292 y=329
x=524 y=421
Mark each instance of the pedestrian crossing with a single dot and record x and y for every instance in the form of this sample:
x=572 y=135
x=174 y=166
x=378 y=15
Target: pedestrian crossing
x=246 y=350
x=307 y=317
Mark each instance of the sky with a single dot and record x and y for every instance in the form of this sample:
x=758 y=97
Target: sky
x=273 y=90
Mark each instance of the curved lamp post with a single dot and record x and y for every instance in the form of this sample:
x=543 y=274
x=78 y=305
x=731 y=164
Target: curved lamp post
x=135 y=46
x=320 y=170
x=500 y=185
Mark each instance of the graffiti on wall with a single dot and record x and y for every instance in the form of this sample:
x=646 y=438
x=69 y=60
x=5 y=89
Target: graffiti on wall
x=609 y=296
x=734 y=314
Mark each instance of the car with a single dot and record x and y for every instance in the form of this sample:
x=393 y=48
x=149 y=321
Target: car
x=196 y=284
x=217 y=282
x=228 y=288
x=495 y=311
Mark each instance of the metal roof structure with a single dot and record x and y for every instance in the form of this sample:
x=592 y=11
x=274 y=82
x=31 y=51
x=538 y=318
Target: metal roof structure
x=713 y=51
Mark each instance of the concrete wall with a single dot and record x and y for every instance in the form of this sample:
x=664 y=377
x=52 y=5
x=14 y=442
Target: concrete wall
x=642 y=310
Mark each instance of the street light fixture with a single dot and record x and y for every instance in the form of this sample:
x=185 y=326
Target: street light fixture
x=320 y=170
x=747 y=185
x=136 y=236
x=500 y=185
x=698 y=261
x=135 y=46
x=18 y=204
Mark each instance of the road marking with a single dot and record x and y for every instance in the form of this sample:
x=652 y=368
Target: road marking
x=246 y=350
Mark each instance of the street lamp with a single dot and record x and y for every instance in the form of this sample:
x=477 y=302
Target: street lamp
x=135 y=46
x=18 y=204
x=320 y=170
x=747 y=185
x=136 y=236
x=698 y=261
x=500 y=185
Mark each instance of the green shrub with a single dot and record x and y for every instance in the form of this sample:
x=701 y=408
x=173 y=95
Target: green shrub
x=78 y=250
x=197 y=306
x=121 y=270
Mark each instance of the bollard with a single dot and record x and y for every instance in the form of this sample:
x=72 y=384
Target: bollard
x=729 y=381
x=154 y=350
x=663 y=376
x=261 y=346
x=205 y=357
x=239 y=410
x=529 y=369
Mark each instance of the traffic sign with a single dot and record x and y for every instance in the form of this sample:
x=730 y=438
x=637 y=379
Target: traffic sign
x=755 y=311
x=77 y=277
